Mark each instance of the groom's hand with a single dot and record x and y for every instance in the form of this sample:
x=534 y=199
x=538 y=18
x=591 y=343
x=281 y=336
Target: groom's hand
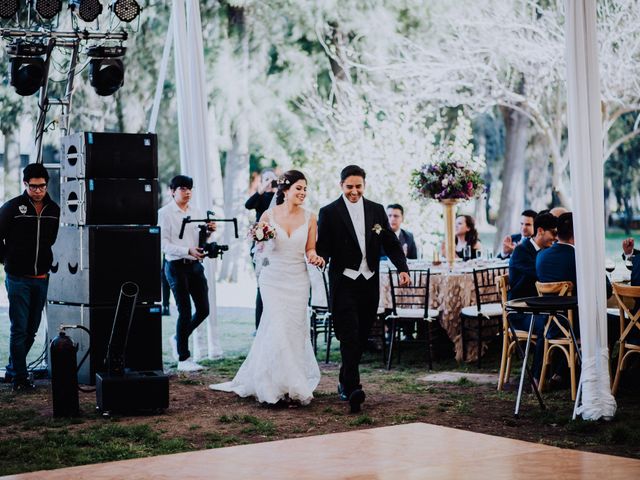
x=404 y=279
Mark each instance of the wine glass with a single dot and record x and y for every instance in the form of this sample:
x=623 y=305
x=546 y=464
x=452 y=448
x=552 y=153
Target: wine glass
x=628 y=261
x=609 y=266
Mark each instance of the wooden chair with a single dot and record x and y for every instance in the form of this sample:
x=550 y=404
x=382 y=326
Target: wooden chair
x=481 y=322
x=508 y=340
x=629 y=323
x=564 y=342
x=321 y=323
x=410 y=305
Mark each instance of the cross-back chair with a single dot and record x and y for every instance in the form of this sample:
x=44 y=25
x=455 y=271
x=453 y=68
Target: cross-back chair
x=564 y=341
x=321 y=322
x=481 y=321
x=508 y=339
x=410 y=306
x=629 y=340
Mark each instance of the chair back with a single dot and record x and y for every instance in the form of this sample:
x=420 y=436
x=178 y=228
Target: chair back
x=502 y=284
x=415 y=295
x=485 y=282
x=629 y=317
x=319 y=297
x=560 y=289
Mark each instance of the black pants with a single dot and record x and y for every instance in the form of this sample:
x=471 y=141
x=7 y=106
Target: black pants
x=188 y=282
x=354 y=304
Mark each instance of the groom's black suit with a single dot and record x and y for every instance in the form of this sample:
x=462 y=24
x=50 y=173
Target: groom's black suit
x=354 y=303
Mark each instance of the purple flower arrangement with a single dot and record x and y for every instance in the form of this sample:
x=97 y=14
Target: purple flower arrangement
x=446 y=180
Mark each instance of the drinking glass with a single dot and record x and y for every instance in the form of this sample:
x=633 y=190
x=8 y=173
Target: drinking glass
x=628 y=262
x=478 y=254
x=466 y=253
x=490 y=255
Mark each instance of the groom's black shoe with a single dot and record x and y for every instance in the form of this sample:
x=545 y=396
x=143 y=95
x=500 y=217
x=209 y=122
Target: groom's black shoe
x=355 y=400
x=343 y=396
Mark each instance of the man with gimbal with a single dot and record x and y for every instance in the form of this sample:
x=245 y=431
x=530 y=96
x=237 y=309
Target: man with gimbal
x=183 y=268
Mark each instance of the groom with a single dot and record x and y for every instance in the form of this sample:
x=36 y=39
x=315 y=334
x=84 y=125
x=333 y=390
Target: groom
x=351 y=231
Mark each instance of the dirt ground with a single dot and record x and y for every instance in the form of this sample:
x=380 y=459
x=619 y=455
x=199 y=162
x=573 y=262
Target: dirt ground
x=202 y=418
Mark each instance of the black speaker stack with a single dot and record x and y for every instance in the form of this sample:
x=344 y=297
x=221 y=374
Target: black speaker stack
x=109 y=236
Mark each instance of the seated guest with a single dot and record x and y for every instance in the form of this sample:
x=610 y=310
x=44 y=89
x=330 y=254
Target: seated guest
x=466 y=235
x=523 y=278
x=558 y=263
x=526 y=231
x=395 y=213
x=522 y=266
x=629 y=250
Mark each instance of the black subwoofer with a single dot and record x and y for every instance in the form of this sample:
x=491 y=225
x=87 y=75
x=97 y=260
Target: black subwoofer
x=110 y=155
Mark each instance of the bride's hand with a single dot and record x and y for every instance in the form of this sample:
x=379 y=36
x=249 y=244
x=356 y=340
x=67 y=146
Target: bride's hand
x=316 y=260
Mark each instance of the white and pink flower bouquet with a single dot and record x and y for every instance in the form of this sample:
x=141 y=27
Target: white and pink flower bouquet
x=262 y=232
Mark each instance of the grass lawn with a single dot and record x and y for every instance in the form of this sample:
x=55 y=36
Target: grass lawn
x=197 y=418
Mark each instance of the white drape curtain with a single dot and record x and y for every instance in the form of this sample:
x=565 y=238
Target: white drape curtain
x=197 y=158
x=587 y=184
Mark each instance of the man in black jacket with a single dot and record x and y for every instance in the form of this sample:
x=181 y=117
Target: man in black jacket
x=28 y=229
x=351 y=231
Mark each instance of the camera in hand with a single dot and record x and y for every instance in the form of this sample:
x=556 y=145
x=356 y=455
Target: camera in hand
x=209 y=249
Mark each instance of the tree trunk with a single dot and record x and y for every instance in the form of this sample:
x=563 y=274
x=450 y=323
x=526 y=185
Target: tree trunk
x=512 y=195
x=11 y=181
x=236 y=172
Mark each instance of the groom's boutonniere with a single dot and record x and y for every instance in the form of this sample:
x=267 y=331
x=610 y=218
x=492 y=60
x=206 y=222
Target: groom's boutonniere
x=377 y=228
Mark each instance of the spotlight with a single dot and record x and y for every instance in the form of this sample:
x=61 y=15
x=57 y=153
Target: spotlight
x=8 y=8
x=27 y=69
x=106 y=70
x=126 y=10
x=48 y=9
x=87 y=10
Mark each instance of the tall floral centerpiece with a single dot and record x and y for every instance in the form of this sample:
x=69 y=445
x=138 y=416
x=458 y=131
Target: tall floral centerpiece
x=452 y=177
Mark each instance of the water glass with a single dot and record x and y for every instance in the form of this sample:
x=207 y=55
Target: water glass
x=479 y=254
x=490 y=255
x=466 y=253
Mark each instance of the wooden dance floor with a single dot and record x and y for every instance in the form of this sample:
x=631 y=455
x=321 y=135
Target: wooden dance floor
x=413 y=451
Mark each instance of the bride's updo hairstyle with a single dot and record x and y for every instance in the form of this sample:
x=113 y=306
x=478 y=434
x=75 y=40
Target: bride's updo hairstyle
x=285 y=181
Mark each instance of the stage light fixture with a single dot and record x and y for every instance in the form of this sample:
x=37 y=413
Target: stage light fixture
x=8 y=8
x=126 y=10
x=106 y=69
x=27 y=68
x=48 y=9
x=87 y=10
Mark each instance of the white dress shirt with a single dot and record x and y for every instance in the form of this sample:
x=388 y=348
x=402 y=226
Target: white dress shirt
x=170 y=220
x=356 y=212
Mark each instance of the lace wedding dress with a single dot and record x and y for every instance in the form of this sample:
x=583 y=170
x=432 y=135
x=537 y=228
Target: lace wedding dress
x=281 y=363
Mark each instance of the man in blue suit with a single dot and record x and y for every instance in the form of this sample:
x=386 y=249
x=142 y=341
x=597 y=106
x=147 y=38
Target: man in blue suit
x=510 y=242
x=522 y=266
x=558 y=263
x=523 y=277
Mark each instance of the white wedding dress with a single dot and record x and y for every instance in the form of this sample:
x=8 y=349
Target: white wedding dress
x=281 y=363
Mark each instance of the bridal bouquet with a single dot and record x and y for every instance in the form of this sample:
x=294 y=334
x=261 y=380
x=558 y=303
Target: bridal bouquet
x=262 y=232
x=447 y=179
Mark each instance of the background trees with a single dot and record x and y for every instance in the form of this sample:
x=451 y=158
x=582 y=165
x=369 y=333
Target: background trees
x=319 y=85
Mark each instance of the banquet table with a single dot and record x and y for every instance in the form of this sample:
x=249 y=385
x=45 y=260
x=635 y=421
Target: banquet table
x=449 y=292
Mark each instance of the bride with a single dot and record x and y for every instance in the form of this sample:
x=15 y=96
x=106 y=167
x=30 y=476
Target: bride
x=281 y=365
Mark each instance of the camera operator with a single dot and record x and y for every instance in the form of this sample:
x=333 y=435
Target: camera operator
x=183 y=268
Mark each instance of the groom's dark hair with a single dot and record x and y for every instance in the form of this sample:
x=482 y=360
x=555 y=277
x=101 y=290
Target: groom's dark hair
x=352 y=171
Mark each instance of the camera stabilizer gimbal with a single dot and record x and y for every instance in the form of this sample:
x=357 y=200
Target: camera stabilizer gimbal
x=210 y=249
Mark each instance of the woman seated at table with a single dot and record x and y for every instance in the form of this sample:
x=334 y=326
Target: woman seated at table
x=466 y=235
